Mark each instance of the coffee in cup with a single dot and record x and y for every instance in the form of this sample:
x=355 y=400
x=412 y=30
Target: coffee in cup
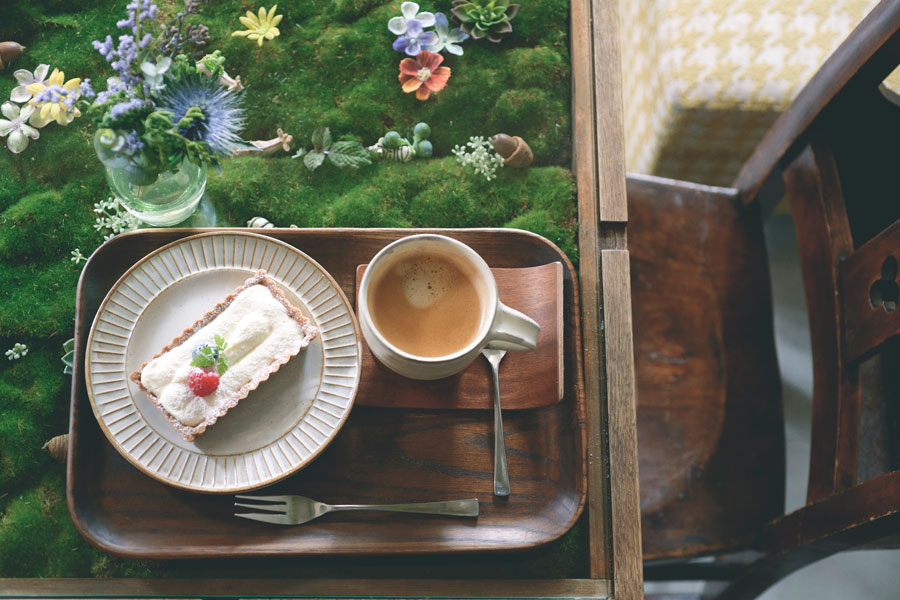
x=428 y=304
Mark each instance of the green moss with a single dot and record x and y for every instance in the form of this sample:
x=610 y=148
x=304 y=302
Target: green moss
x=39 y=539
x=537 y=67
x=41 y=226
x=37 y=301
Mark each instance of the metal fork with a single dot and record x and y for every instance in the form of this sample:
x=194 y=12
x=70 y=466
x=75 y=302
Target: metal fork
x=294 y=510
x=501 y=474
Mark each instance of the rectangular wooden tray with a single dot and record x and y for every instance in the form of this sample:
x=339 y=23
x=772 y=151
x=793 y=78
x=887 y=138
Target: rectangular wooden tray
x=381 y=455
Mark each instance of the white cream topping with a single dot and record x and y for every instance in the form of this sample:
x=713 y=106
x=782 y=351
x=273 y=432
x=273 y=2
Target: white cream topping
x=258 y=330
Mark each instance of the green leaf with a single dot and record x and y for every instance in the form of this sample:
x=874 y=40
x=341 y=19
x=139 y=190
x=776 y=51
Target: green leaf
x=220 y=341
x=349 y=154
x=222 y=366
x=202 y=360
x=321 y=140
x=313 y=160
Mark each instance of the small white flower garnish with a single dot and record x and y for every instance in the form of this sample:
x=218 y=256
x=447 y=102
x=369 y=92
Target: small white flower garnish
x=17 y=351
x=17 y=127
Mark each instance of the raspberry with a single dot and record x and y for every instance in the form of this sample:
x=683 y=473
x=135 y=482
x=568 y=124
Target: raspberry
x=203 y=382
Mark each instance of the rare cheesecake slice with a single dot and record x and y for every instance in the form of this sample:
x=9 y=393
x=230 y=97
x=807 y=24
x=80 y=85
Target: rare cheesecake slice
x=225 y=355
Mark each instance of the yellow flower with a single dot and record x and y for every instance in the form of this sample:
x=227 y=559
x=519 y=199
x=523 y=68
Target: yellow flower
x=260 y=27
x=55 y=109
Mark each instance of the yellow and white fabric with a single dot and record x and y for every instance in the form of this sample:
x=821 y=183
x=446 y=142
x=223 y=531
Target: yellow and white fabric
x=704 y=79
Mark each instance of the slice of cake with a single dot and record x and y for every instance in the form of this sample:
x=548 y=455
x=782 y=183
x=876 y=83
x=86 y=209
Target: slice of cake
x=225 y=355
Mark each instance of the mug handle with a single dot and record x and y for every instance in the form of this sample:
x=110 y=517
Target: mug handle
x=513 y=330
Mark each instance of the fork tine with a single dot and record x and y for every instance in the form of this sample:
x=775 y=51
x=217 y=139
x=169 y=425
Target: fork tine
x=277 y=519
x=282 y=499
x=273 y=507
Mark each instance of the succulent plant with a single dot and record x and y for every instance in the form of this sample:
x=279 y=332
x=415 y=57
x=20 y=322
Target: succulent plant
x=485 y=18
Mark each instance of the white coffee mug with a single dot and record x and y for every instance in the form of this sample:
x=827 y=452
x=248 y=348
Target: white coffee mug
x=500 y=326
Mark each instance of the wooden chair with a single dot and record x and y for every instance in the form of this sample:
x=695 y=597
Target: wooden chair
x=710 y=425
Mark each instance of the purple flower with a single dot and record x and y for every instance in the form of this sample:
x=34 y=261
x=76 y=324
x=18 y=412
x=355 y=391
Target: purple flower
x=138 y=10
x=86 y=90
x=51 y=94
x=412 y=43
x=122 y=108
x=131 y=143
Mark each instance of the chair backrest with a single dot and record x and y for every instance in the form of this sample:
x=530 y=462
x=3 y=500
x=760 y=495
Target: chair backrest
x=838 y=149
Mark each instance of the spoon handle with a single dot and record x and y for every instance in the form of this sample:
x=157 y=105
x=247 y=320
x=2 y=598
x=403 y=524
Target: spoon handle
x=501 y=475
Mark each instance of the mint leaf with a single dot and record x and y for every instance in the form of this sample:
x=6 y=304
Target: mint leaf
x=202 y=360
x=313 y=160
x=220 y=341
x=349 y=154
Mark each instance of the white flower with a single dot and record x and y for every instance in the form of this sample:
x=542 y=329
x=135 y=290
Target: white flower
x=77 y=256
x=114 y=218
x=26 y=78
x=17 y=351
x=16 y=127
x=410 y=11
x=153 y=73
x=448 y=39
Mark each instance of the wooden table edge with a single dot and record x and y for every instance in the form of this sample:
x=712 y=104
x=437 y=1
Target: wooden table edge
x=307 y=588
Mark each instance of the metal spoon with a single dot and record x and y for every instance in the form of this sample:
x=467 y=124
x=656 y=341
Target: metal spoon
x=501 y=475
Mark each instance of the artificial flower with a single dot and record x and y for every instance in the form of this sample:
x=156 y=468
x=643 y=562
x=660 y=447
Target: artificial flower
x=410 y=10
x=260 y=27
x=55 y=99
x=447 y=39
x=153 y=73
x=222 y=117
x=16 y=127
x=423 y=74
x=26 y=78
x=485 y=18
x=17 y=351
x=415 y=38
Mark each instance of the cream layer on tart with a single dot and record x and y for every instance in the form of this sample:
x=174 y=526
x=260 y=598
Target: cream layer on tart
x=263 y=332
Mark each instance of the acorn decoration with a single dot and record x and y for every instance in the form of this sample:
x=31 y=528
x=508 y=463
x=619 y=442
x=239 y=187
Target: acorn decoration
x=58 y=447
x=513 y=149
x=9 y=51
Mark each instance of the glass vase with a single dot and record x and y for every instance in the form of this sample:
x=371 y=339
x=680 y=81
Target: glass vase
x=168 y=199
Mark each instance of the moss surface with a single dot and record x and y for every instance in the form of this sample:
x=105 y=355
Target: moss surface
x=332 y=66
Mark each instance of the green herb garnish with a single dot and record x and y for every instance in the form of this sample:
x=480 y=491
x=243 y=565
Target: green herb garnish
x=208 y=356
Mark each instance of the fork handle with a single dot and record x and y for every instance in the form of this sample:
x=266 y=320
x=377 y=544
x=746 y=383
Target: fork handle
x=453 y=508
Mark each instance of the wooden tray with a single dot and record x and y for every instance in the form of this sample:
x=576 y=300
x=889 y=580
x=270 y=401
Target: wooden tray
x=381 y=454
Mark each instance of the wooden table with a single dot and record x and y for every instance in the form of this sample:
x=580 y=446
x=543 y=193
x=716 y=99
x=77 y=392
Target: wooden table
x=613 y=503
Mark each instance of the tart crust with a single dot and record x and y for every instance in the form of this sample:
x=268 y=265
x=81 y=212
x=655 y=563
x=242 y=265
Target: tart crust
x=307 y=330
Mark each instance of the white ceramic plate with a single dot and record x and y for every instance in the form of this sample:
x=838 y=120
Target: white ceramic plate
x=276 y=430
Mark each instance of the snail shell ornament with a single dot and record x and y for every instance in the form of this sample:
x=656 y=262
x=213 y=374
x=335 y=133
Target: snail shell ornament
x=9 y=51
x=400 y=154
x=260 y=222
x=58 y=447
x=513 y=149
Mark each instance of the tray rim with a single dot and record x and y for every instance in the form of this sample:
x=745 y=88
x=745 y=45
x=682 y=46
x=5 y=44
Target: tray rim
x=577 y=387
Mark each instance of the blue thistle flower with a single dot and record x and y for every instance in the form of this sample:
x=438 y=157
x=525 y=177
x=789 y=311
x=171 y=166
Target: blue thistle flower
x=223 y=116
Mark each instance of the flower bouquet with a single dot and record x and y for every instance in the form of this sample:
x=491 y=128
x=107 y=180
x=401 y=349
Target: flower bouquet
x=164 y=117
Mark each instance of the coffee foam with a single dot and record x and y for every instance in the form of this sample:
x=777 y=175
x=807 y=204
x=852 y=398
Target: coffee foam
x=426 y=280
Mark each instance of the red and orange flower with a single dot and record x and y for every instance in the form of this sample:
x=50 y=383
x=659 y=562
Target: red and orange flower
x=423 y=74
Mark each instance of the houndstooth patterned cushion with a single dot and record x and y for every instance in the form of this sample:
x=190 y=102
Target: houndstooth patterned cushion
x=704 y=79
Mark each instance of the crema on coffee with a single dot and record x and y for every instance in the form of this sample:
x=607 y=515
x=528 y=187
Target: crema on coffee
x=426 y=305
